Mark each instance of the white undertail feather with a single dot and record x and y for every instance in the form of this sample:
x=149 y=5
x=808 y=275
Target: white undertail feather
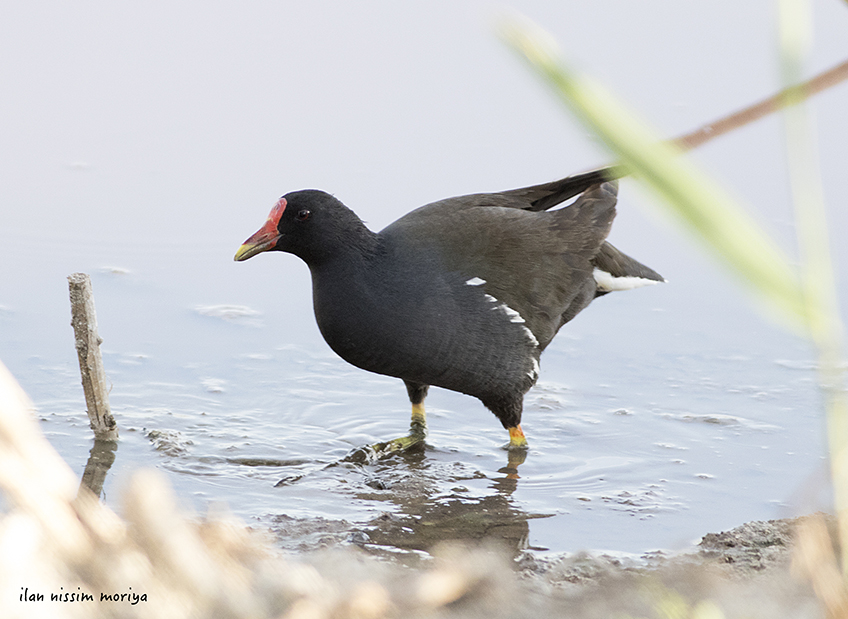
x=475 y=281
x=609 y=283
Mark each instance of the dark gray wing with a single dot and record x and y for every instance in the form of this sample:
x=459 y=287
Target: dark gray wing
x=548 y=195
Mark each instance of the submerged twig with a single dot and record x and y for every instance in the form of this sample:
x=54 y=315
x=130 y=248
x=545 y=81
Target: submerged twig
x=84 y=322
x=100 y=460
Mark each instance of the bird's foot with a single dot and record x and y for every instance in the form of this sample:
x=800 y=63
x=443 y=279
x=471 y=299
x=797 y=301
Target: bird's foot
x=414 y=441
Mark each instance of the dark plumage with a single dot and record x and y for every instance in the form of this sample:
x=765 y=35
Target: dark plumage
x=464 y=293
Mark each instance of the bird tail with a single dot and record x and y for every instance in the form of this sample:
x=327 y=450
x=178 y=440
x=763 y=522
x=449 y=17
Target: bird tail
x=548 y=195
x=615 y=270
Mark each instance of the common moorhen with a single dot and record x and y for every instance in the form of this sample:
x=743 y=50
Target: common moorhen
x=464 y=293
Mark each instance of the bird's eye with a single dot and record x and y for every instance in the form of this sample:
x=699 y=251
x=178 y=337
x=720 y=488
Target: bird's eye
x=303 y=214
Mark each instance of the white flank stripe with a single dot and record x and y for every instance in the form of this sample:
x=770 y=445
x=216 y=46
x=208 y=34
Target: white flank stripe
x=608 y=283
x=475 y=281
x=532 y=337
x=534 y=373
x=515 y=317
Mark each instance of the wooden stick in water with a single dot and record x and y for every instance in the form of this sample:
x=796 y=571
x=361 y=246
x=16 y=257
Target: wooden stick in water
x=84 y=322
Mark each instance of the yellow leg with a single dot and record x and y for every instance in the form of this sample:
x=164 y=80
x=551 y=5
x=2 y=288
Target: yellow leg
x=419 y=417
x=416 y=436
x=414 y=440
x=517 y=439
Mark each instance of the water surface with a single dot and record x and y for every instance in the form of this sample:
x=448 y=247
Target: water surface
x=144 y=153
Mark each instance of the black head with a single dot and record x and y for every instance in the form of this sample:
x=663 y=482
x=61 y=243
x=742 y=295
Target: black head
x=310 y=224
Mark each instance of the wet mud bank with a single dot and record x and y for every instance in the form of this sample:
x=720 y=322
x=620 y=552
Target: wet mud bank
x=743 y=572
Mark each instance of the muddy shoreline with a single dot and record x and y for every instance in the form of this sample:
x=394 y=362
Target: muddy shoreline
x=743 y=572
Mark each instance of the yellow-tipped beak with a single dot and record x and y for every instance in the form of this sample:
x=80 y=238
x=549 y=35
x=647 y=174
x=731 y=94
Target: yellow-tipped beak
x=266 y=237
x=250 y=248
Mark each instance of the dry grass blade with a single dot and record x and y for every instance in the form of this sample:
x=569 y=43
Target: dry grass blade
x=824 y=323
x=814 y=560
